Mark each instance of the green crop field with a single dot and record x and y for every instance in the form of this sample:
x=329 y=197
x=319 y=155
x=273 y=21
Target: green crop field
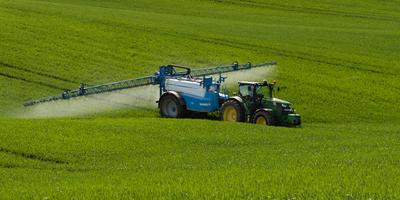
x=340 y=62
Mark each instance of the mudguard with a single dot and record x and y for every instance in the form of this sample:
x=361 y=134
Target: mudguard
x=175 y=94
x=241 y=102
x=258 y=110
x=237 y=98
x=264 y=109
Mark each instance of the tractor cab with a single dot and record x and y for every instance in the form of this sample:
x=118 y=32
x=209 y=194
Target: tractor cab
x=256 y=103
x=254 y=94
x=256 y=90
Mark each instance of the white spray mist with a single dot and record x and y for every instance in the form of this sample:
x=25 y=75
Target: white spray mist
x=140 y=97
x=254 y=74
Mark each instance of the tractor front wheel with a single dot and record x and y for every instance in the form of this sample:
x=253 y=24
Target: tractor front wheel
x=232 y=111
x=170 y=107
x=264 y=118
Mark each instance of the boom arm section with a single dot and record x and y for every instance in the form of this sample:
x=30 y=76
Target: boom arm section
x=96 y=89
x=229 y=68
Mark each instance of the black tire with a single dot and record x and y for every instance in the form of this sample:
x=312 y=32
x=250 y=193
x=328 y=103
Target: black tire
x=170 y=107
x=264 y=117
x=231 y=110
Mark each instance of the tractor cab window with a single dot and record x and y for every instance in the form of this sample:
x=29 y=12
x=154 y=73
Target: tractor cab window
x=246 y=90
x=263 y=91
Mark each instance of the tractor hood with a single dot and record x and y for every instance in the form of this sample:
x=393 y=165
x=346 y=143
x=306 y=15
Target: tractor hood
x=276 y=100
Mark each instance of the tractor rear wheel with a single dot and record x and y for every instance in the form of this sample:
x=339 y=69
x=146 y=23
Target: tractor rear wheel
x=171 y=107
x=232 y=111
x=263 y=117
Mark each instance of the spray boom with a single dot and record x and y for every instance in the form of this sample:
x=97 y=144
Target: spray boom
x=157 y=78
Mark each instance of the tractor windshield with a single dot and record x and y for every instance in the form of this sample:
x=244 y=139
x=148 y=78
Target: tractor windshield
x=246 y=90
x=263 y=90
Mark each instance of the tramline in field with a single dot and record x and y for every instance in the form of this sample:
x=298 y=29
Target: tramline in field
x=183 y=90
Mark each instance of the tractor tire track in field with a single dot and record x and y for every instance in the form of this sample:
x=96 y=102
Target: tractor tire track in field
x=8 y=166
x=340 y=62
x=241 y=45
x=307 y=10
x=37 y=73
x=31 y=81
x=32 y=156
x=13 y=166
x=63 y=168
x=286 y=53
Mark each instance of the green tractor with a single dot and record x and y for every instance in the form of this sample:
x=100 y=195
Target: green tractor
x=255 y=103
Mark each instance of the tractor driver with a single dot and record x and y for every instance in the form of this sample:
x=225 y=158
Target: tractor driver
x=82 y=90
x=246 y=91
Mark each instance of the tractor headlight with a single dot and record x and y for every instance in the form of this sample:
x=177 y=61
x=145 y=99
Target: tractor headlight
x=286 y=108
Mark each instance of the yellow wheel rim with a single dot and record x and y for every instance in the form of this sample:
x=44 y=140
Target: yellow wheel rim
x=261 y=120
x=230 y=114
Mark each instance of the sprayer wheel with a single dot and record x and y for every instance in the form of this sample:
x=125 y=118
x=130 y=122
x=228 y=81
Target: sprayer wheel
x=170 y=107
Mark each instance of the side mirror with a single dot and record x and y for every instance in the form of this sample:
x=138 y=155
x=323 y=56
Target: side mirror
x=281 y=88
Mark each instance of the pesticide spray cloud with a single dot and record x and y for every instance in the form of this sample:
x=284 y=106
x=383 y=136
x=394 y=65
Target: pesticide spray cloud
x=254 y=74
x=140 y=97
x=134 y=98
